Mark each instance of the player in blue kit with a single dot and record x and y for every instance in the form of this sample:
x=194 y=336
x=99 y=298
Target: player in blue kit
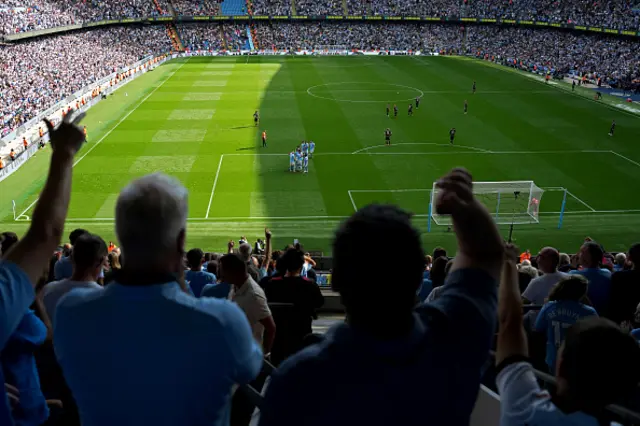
x=305 y=163
x=312 y=148
x=304 y=147
x=292 y=161
x=298 y=160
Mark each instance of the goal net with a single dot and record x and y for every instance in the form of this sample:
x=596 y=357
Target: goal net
x=508 y=202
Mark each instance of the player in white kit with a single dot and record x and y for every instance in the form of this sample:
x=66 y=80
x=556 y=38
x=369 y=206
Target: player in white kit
x=305 y=164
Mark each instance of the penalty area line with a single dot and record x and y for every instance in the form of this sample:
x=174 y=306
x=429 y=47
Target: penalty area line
x=213 y=189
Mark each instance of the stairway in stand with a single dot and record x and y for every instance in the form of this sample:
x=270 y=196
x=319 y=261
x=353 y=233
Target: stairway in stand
x=176 y=43
x=233 y=7
x=345 y=9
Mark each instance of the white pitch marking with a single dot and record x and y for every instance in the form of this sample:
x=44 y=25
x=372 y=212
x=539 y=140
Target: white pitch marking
x=114 y=127
x=422 y=143
x=353 y=203
x=580 y=201
x=625 y=158
x=213 y=189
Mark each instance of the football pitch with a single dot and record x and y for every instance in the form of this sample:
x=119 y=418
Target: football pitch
x=192 y=119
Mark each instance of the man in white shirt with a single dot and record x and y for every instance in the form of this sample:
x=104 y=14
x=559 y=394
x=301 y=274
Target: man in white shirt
x=88 y=255
x=540 y=287
x=250 y=298
x=597 y=366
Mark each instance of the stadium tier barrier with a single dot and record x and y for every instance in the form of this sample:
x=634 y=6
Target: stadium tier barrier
x=31 y=129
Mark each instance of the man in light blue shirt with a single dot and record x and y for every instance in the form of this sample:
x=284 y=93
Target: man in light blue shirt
x=599 y=279
x=22 y=266
x=597 y=366
x=195 y=276
x=64 y=266
x=166 y=358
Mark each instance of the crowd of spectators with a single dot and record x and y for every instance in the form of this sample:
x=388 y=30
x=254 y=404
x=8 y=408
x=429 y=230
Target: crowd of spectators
x=31 y=81
x=196 y=7
x=271 y=7
x=613 y=59
x=313 y=7
x=16 y=16
x=142 y=333
x=229 y=36
x=19 y=16
x=367 y=36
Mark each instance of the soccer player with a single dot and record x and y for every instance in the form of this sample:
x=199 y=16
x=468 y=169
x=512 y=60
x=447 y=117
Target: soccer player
x=292 y=161
x=305 y=163
x=387 y=110
x=387 y=137
x=417 y=102
x=613 y=128
x=264 y=138
x=304 y=147
x=473 y=89
x=298 y=161
x=395 y=111
x=256 y=118
x=84 y=131
x=410 y=111
x=535 y=206
x=573 y=85
x=466 y=106
x=452 y=135
x=312 y=148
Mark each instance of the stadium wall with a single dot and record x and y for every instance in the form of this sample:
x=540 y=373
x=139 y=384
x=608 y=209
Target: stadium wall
x=30 y=130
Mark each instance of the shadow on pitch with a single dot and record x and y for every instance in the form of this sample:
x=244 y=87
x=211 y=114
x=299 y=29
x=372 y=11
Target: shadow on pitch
x=242 y=127
x=247 y=148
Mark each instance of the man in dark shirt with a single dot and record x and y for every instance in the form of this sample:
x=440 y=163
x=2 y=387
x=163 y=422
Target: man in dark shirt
x=293 y=301
x=625 y=290
x=391 y=363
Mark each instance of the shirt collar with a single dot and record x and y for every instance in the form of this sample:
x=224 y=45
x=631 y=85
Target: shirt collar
x=242 y=290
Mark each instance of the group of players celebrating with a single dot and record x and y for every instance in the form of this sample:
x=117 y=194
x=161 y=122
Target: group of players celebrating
x=452 y=131
x=299 y=157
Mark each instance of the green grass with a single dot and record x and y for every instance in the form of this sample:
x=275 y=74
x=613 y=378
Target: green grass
x=195 y=123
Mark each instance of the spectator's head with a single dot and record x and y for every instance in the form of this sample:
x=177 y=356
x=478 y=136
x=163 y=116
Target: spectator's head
x=590 y=254
x=212 y=267
x=548 y=260
x=438 y=271
x=245 y=251
x=7 y=239
x=573 y=287
x=439 y=252
x=88 y=255
x=292 y=260
x=428 y=260
x=195 y=258
x=597 y=365
x=75 y=234
x=634 y=255
x=151 y=219
x=620 y=260
x=565 y=262
x=233 y=269
x=114 y=261
x=525 y=262
x=394 y=284
x=66 y=250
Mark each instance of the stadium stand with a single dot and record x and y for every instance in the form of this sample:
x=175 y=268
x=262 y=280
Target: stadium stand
x=176 y=355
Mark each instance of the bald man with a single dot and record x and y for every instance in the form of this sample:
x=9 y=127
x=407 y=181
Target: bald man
x=539 y=288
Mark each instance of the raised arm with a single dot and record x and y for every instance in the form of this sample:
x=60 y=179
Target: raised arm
x=33 y=251
x=512 y=341
x=479 y=243
x=24 y=262
x=267 y=255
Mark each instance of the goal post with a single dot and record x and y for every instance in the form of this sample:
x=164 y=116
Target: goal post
x=508 y=202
